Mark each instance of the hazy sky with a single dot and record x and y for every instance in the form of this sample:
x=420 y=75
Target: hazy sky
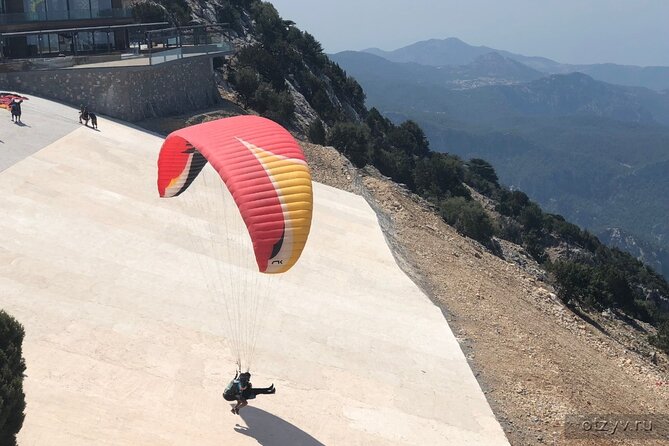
x=570 y=31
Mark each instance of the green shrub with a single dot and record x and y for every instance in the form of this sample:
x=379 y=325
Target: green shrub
x=177 y=12
x=599 y=287
x=311 y=50
x=264 y=63
x=409 y=138
x=468 y=217
x=226 y=13
x=531 y=217
x=511 y=203
x=661 y=339
x=147 y=12
x=246 y=81
x=278 y=107
x=509 y=229
x=379 y=126
x=320 y=101
x=395 y=164
x=268 y=24
x=439 y=176
x=609 y=288
x=572 y=280
x=533 y=244
x=352 y=140
x=483 y=170
x=12 y=367
x=316 y=132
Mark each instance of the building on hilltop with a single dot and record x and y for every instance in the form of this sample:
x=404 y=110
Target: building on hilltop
x=35 y=28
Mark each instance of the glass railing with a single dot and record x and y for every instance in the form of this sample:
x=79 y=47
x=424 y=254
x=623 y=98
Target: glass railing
x=73 y=14
x=156 y=58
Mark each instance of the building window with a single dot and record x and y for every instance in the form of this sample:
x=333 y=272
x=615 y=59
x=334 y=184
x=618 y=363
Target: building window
x=80 y=9
x=103 y=40
x=34 y=10
x=57 y=10
x=101 y=8
x=32 y=46
x=84 y=42
x=49 y=44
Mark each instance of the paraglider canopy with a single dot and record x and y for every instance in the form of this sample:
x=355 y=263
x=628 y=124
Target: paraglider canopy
x=265 y=171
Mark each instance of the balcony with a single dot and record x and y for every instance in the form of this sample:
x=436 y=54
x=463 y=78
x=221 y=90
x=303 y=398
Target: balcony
x=75 y=14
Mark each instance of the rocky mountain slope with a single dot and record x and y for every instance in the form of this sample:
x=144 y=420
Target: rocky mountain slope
x=536 y=363
x=536 y=359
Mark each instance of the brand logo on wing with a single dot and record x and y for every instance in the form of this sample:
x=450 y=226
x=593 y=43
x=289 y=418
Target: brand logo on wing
x=275 y=166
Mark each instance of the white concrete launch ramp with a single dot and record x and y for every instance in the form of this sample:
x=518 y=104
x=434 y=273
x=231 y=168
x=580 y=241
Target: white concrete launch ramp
x=124 y=346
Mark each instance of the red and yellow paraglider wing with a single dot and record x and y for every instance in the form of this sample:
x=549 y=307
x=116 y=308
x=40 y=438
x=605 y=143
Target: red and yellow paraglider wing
x=7 y=98
x=265 y=171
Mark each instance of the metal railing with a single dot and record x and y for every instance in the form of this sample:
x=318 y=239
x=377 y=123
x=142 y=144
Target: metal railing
x=142 y=39
x=169 y=44
x=156 y=58
x=67 y=41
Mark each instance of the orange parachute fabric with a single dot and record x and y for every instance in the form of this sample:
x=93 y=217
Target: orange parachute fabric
x=265 y=171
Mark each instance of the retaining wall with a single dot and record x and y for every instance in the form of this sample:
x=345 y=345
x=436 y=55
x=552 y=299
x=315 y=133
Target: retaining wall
x=127 y=93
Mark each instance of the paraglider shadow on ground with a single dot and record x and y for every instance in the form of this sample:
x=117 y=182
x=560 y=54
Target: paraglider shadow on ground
x=270 y=430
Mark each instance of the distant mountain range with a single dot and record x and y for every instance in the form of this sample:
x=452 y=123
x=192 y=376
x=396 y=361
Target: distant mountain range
x=493 y=87
x=596 y=152
x=453 y=52
x=487 y=69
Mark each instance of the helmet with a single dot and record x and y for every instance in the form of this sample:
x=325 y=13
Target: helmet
x=244 y=378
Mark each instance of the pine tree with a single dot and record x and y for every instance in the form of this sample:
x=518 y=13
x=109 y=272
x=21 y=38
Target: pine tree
x=12 y=366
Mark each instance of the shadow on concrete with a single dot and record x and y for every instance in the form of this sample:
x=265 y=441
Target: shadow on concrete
x=270 y=430
x=90 y=127
x=21 y=124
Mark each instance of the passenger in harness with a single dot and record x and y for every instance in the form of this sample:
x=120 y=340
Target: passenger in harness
x=240 y=389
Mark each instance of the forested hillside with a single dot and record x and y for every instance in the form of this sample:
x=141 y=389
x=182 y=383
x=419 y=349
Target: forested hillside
x=588 y=150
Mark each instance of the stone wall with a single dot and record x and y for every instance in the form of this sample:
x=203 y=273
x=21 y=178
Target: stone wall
x=54 y=63
x=127 y=93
